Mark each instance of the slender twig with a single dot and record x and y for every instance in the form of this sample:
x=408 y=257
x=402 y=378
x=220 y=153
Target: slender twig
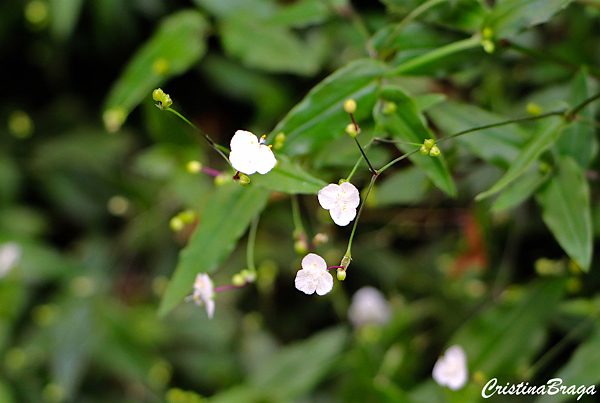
x=251 y=244
x=362 y=205
x=572 y=113
x=364 y=155
x=400 y=158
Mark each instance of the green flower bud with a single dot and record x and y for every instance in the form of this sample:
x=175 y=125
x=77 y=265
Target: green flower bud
x=435 y=151
x=158 y=94
x=176 y=224
x=341 y=274
x=488 y=46
x=193 y=167
x=487 y=33
x=350 y=106
x=351 y=130
x=300 y=247
x=346 y=261
x=222 y=179
x=429 y=143
x=244 y=179
x=20 y=124
x=389 y=108
x=187 y=216
x=238 y=280
x=533 y=109
x=424 y=150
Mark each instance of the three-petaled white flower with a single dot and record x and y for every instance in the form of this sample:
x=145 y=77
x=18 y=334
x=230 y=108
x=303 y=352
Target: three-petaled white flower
x=368 y=307
x=204 y=293
x=249 y=154
x=10 y=254
x=451 y=369
x=314 y=276
x=341 y=201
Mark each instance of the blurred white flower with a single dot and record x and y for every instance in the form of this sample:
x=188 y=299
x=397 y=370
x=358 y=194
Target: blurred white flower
x=314 y=276
x=341 y=201
x=249 y=154
x=204 y=293
x=10 y=255
x=451 y=369
x=369 y=306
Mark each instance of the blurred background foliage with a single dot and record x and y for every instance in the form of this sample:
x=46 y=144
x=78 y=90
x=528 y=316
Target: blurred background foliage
x=91 y=173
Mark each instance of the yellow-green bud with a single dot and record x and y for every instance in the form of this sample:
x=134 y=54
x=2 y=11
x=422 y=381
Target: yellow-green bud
x=222 y=179
x=249 y=275
x=163 y=99
x=37 y=13
x=488 y=46
x=435 y=151
x=533 y=108
x=158 y=94
x=351 y=130
x=20 y=124
x=187 y=216
x=346 y=261
x=193 y=167
x=424 y=150
x=487 y=33
x=341 y=274
x=118 y=205
x=244 y=179
x=350 y=106
x=176 y=224
x=389 y=108
x=429 y=143
x=300 y=247
x=238 y=280
x=342 y=181
x=280 y=137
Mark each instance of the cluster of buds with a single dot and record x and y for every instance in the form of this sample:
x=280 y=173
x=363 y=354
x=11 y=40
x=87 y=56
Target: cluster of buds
x=244 y=277
x=430 y=148
x=352 y=129
x=279 y=141
x=179 y=221
x=487 y=40
x=163 y=99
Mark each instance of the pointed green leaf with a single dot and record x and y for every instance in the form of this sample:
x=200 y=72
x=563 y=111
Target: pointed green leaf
x=578 y=139
x=320 y=116
x=520 y=190
x=288 y=177
x=541 y=140
x=177 y=44
x=407 y=124
x=229 y=211
x=509 y=17
x=565 y=202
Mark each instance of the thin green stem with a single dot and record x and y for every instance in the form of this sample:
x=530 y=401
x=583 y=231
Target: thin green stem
x=436 y=54
x=400 y=158
x=298 y=227
x=356 y=165
x=570 y=114
x=364 y=155
x=218 y=148
x=416 y=13
x=382 y=140
x=362 y=205
x=251 y=244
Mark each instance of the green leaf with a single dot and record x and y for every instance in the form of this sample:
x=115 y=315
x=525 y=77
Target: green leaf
x=320 y=116
x=578 y=139
x=509 y=17
x=288 y=177
x=301 y=13
x=565 y=202
x=581 y=369
x=296 y=369
x=497 y=145
x=541 y=140
x=178 y=43
x=520 y=190
x=229 y=211
x=65 y=14
x=274 y=48
x=402 y=187
x=407 y=124
x=489 y=338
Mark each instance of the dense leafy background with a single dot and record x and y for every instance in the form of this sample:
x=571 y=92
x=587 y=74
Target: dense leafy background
x=491 y=246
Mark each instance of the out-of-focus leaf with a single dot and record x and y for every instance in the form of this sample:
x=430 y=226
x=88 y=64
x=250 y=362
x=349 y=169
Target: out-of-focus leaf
x=509 y=17
x=270 y=47
x=498 y=145
x=6 y=395
x=222 y=8
x=320 y=116
x=296 y=369
x=489 y=338
x=64 y=16
x=10 y=179
x=427 y=101
x=520 y=190
x=565 y=202
x=406 y=124
x=542 y=139
x=288 y=177
x=301 y=13
x=403 y=187
x=228 y=213
x=578 y=139
x=177 y=44
x=581 y=369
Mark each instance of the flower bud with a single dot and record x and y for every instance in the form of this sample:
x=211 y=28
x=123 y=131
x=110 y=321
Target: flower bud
x=429 y=143
x=222 y=179
x=279 y=140
x=187 y=216
x=341 y=274
x=350 y=106
x=243 y=179
x=488 y=46
x=351 y=130
x=424 y=150
x=389 y=108
x=193 y=167
x=346 y=261
x=435 y=151
x=20 y=124
x=301 y=247
x=533 y=109
x=157 y=94
x=238 y=280
x=176 y=224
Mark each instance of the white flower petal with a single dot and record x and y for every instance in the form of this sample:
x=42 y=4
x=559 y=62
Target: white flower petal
x=312 y=261
x=305 y=281
x=451 y=369
x=10 y=255
x=368 y=306
x=243 y=139
x=350 y=194
x=243 y=161
x=210 y=308
x=324 y=283
x=329 y=196
x=342 y=215
x=264 y=159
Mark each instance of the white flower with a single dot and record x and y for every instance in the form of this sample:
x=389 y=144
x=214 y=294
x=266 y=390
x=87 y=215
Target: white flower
x=204 y=293
x=10 y=255
x=369 y=307
x=451 y=369
x=314 y=276
x=249 y=154
x=341 y=201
